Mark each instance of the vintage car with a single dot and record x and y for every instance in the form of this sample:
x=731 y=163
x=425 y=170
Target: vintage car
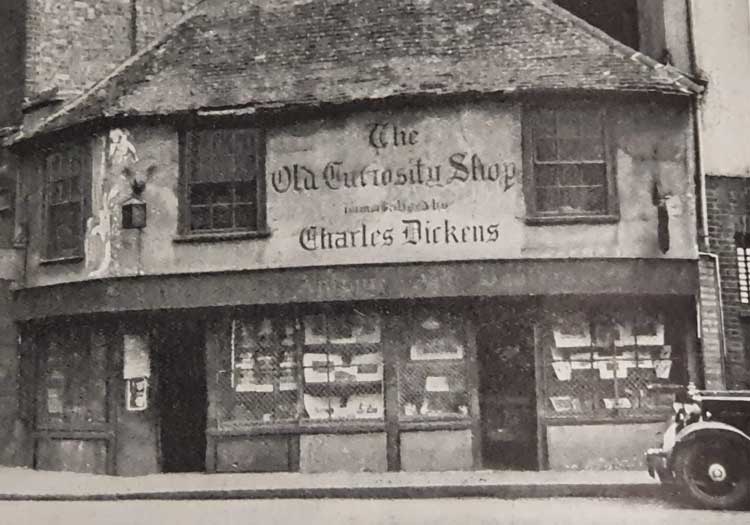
x=705 y=455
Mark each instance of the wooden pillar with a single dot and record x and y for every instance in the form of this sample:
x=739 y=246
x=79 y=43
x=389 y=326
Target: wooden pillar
x=473 y=387
x=215 y=330
x=392 y=325
x=539 y=374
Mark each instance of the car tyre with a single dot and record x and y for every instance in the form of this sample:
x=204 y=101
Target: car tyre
x=714 y=473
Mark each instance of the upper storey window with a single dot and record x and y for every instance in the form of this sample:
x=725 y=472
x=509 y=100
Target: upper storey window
x=568 y=171
x=67 y=172
x=223 y=182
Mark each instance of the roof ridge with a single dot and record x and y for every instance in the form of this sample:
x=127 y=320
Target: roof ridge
x=122 y=67
x=607 y=58
x=678 y=77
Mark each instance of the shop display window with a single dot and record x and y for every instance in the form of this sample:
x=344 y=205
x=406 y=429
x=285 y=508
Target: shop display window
x=323 y=366
x=342 y=364
x=74 y=370
x=433 y=368
x=609 y=363
x=263 y=378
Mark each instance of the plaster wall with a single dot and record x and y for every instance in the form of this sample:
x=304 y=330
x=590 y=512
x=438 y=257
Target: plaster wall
x=601 y=447
x=356 y=198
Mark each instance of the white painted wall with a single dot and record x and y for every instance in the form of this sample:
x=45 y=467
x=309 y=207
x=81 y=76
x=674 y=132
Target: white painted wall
x=722 y=40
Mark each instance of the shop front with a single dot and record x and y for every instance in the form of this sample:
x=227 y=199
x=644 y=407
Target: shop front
x=413 y=384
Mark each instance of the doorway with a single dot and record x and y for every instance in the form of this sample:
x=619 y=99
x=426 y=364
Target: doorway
x=507 y=394
x=181 y=395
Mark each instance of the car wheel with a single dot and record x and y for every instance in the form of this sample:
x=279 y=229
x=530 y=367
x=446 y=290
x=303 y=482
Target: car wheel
x=714 y=473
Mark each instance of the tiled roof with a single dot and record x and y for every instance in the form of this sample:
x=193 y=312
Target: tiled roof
x=285 y=53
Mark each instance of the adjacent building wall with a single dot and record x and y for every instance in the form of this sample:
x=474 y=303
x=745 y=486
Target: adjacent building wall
x=722 y=55
x=722 y=41
x=73 y=44
x=12 y=29
x=727 y=199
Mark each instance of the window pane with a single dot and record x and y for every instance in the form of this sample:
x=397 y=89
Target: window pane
x=75 y=373
x=547 y=199
x=594 y=174
x=545 y=124
x=65 y=226
x=573 y=200
x=74 y=188
x=591 y=148
x=343 y=365
x=432 y=377
x=221 y=193
x=261 y=383
x=571 y=149
x=546 y=149
x=596 y=200
x=581 y=200
x=199 y=218
x=568 y=125
x=245 y=216
x=222 y=217
x=245 y=192
x=570 y=175
x=546 y=175
x=200 y=193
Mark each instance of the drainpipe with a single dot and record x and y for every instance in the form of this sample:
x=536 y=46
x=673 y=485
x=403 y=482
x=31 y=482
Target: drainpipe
x=697 y=132
x=701 y=173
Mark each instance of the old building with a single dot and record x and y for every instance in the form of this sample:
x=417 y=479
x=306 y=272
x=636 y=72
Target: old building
x=364 y=236
x=51 y=50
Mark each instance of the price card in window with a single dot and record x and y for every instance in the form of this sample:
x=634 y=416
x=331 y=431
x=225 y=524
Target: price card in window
x=436 y=384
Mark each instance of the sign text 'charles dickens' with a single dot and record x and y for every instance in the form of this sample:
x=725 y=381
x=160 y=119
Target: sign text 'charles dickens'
x=396 y=197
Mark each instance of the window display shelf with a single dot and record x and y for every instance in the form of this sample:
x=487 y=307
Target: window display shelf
x=343 y=348
x=344 y=389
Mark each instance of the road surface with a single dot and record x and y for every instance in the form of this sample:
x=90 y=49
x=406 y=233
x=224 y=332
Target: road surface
x=479 y=511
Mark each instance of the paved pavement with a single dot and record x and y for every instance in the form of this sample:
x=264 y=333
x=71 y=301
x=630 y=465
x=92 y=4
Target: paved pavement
x=483 y=511
x=21 y=484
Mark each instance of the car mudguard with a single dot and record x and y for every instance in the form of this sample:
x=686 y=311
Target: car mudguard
x=701 y=427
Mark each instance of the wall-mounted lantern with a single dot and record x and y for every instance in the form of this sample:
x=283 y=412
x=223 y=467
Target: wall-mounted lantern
x=134 y=209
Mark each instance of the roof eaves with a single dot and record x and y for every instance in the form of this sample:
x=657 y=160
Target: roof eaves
x=44 y=124
x=681 y=80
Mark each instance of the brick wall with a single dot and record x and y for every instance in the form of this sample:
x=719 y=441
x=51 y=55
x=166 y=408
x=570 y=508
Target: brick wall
x=11 y=61
x=74 y=43
x=728 y=199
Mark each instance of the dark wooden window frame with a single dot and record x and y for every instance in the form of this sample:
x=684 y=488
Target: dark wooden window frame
x=80 y=151
x=188 y=164
x=531 y=116
x=104 y=430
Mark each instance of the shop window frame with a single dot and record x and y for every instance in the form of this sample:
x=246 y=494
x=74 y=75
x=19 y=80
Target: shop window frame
x=459 y=365
x=75 y=194
x=615 y=413
x=45 y=430
x=192 y=174
x=532 y=121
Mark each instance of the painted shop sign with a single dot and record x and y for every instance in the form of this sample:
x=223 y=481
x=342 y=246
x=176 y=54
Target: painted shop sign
x=399 y=187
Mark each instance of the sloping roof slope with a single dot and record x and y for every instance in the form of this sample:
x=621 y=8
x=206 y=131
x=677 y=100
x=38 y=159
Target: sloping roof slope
x=283 y=53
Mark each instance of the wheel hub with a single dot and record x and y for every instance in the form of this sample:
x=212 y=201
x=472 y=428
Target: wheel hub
x=717 y=472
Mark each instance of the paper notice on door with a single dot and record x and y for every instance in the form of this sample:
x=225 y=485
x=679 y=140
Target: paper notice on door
x=136 y=359
x=54 y=401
